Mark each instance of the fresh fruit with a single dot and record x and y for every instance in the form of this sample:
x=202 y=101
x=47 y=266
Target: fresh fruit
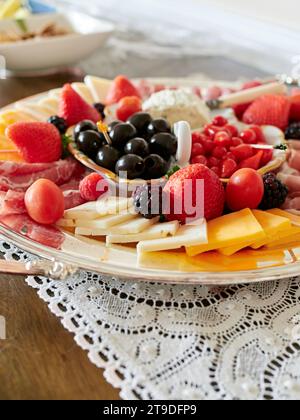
x=89 y=142
x=197 y=149
x=293 y=131
x=140 y=121
x=73 y=108
x=121 y=134
x=244 y=190
x=44 y=202
x=101 y=109
x=240 y=109
x=253 y=162
x=163 y=144
x=59 y=123
x=236 y=141
x=260 y=137
x=211 y=130
x=85 y=125
x=120 y=88
x=219 y=121
x=266 y=157
x=208 y=145
x=213 y=92
x=248 y=136
x=275 y=192
x=198 y=137
x=199 y=159
x=219 y=152
x=127 y=107
x=137 y=146
x=130 y=167
x=269 y=110
x=107 y=157
x=148 y=200
x=222 y=139
x=212 y=161
x=184 y=194
x=37 y=142
x=93 y=187
x=155 y=167
x=232 y=130
x=242 y=152
x=159 y=125
x=228 y=167
x=113 y=124
x=251 y=84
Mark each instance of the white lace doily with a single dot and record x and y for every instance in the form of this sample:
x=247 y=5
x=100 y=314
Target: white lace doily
x=175 y=342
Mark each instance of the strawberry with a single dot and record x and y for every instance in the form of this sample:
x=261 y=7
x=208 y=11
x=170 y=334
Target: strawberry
x=242 y=152
x=120 y=88
x=269 y=110
x=73 y=108
x=92 y=187
x=253 y=162
x=240 y=109
x=228 y=167
x=37 y=142
x=251 y=84
x=187 y=200
x=295 y=106
x=127 y=107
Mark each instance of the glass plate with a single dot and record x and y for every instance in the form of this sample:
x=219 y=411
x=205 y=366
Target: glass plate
x=166 y=267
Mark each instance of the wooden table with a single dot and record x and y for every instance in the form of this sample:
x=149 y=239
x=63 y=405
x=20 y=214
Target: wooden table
x=40 y=359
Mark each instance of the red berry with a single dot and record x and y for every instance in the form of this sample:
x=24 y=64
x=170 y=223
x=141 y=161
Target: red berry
x=236 y=141
x=213 y=162
x=253 y=162
x=199 y=159
x=222 y=139
x=211 y=130
x=197 y=149
x=240 y=109
x=228 y=167
x=251 y=84
x=37 y=142
x=232 y=130
x=45 y=202
x=219 y=121
x=230 y=155
x=120 y=88
x=92 y=187
x=197 y=137
x=219 y=152
x=266 y=157
x=213 y=92
x=260 y=137
x=208 y=146
x=216 y=170
x=127 y=107
x=248 y=136
x=244 y=151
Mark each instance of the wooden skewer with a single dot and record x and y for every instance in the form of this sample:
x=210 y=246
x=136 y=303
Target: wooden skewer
x=246 y=96
x=104 y=130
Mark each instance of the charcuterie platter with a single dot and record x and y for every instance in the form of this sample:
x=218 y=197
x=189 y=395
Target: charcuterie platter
x=164 y=180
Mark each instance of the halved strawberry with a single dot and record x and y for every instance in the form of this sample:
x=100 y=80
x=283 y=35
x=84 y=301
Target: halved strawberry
x=73 y=108
x=253 y=162
x=295 y=106
x=269 y=110
x=127 y=107
x=37 y=142
x=121 y=87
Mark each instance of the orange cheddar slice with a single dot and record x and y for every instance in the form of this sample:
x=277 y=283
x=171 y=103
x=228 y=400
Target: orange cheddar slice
x=229 y=231
x=289 y=235
x=285 y=242
x=295 y=220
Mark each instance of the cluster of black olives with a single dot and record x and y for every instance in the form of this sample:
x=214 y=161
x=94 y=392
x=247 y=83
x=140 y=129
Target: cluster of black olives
x=140 y=148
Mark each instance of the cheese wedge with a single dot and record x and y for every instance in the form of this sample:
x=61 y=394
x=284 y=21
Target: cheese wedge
x=286 y=236
x=11 y=116
x=55 y=93
x=189 y=235
x=66 y=223
x=284 y=242
x=229 y=231
x=51 y=104
x=98 y=87
x=84 y=92
x=295 y=220
x=106 y=222
x=158 y=231
x=100 y=208
x=33 y=110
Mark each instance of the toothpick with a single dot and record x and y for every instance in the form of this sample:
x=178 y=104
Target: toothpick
x=103 y=128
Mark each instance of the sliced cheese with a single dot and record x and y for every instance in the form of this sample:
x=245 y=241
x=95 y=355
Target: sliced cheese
x=230 y=230
x=295 y=220
x=135 y=226
x=189 y=235
x=12 y=116
x=106 y=222
x=285 y=242
x=284 y=236
x=51 y=104
x=100 y=208
x=33 y=110
x=98 y=87
x=55 y=93
x=66 y=223
x=84 y=92
x=158 y=231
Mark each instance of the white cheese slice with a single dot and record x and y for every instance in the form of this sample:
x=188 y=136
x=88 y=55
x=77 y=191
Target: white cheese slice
x=51 y=104
x=84 y=92
x=186 y=235
x=34 y=110
x=98 y=87
x=100 y=208
x=158 y=231
x=55 y=93
x=66 y=223
x=106 y=221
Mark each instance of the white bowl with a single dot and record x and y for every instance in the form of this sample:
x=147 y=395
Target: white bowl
x=88 y=34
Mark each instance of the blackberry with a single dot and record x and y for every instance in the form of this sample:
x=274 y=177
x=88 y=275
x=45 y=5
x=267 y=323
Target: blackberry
x=148 y=200
x=59 y=123
x=275 y=192
x=100 y=108
x=293 y=132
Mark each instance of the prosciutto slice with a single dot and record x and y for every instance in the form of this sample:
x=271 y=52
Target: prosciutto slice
x=294 y=160
x=14 y=168
x=59 y=172
x=12 y=202
x=45 y=235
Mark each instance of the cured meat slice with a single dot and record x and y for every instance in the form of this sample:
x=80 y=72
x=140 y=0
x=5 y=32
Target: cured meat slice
x=45 y=235
x=15 y=168
x=291 y=181
x=59 y=172
x=294 y=160
x=12 y=202
x=72 y=199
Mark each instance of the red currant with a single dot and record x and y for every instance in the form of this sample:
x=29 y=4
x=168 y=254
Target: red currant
x=220 y=121
x=236 y=141
x=219 y=152
x=244 y=151
x=222 y=139
x=232 y=130
x=208 y=146
x=196 y=137
x=216 y=170
x=248 y=136
x=228 y=168
x=197 y=149
x=211 y=130
x=260 y=137
x=199 y=159
x=213 y=162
